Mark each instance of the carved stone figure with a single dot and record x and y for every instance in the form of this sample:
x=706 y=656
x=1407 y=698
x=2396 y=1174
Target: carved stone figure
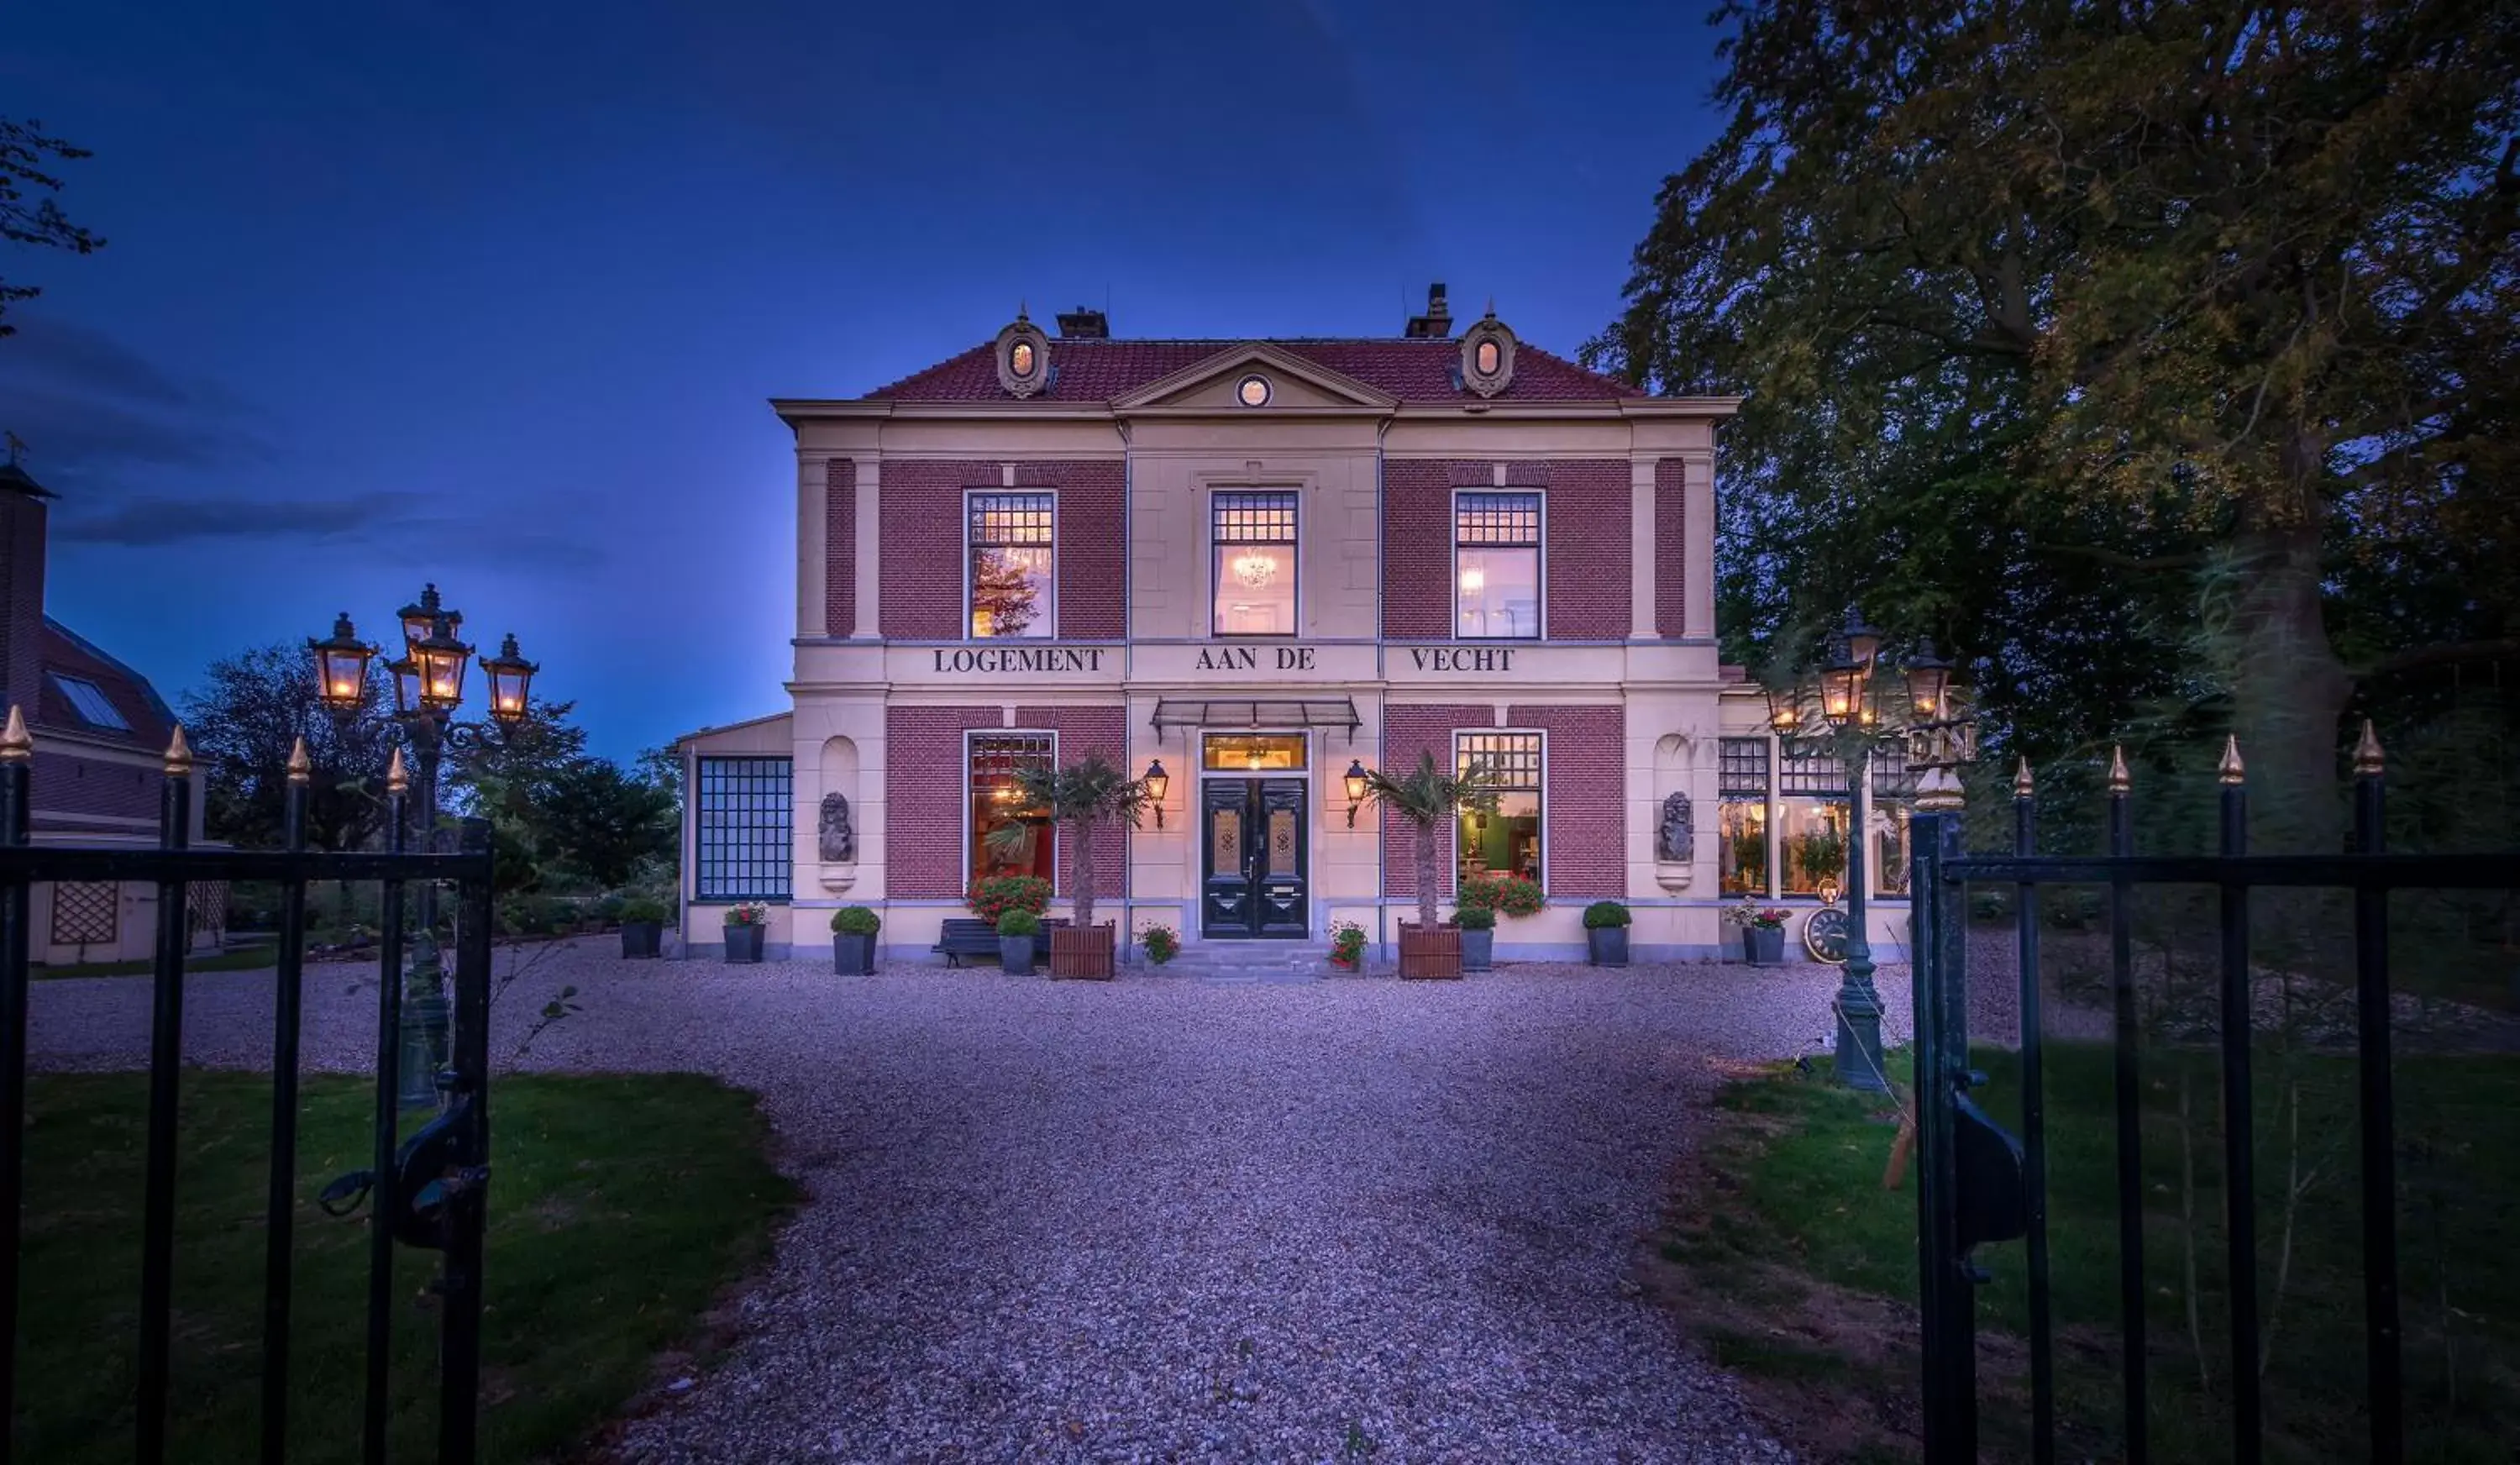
x=1679 y=831
x=839 y=841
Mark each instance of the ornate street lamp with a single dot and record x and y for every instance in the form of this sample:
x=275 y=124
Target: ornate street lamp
x=1157 y=783
x=1355 y=780
x=512 y=680
x=1931 y=721
x=341 y=666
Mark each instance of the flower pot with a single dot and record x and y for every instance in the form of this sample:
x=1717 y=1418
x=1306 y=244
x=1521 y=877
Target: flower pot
x=1478 y=949
x=1082 y=952
x=642 y=940
x=1763 y=946
x=1429 y=952
x=1606 y=945
x=743 y=943
x=1014 y=954
x=1342 y=963
x=852 y=956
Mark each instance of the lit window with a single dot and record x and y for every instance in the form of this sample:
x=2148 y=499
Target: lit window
x=1741 y=829
x=1507 y=839
x=742 y=810
x=1020 y=358
x=1812 y=824
x=1496 y=564
x=1894 y=791
x=90 y=703
x=1253 y=391
x=1254 y=563
x=1012 y=565
x=996 y=761
x=1486 y=356
x=1252 y=753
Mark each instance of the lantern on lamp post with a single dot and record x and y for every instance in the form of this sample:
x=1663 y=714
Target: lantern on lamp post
x=1157 y=783
x=341 y=666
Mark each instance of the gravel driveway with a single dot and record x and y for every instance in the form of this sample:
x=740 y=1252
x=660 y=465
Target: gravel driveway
x=1159 y=1220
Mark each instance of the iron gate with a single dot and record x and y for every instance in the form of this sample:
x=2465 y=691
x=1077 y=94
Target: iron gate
x=432 y=1186
x=1979 y=1184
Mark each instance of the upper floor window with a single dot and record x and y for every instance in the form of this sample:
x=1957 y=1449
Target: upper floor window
x=1012 y=589
x=91 y=703
x=742 y=810
x=1496 y=564
x=1505 y=840
x=1254 y=561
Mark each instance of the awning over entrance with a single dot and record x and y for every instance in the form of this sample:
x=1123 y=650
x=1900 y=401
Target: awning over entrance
x=1307 y=712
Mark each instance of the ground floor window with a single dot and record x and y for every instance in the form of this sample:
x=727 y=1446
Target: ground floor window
x=1741 y=828
x=1507 y=839
x=997 y=760
x=740 y=813
x=1812 y=823
x=1894 y=790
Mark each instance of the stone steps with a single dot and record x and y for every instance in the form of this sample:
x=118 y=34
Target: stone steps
x=1245 y=963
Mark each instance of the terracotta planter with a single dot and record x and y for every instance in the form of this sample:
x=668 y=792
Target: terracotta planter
x=1085 y=953
x=1430 y=955
x=743 y=943
x=642 y=940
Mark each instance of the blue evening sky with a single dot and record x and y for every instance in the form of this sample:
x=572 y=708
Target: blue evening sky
x=493 y=294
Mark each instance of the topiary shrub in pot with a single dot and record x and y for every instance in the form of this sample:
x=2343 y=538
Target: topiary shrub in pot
x=643 y=929
x=853 y=929
x=1479 y=937
x=1018 y=930
x=1605 y=932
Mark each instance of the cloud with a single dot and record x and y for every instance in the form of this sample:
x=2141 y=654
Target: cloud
x=146 y=523
x=87 y=406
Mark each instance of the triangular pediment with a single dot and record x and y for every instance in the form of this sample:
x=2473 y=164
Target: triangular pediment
x=1294 y=384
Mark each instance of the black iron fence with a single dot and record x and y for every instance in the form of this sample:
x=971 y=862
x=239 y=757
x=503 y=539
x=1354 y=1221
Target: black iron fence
x=428 y=1191
x=1980 y=1184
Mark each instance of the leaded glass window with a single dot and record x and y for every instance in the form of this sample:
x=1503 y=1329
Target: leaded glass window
x=1496 y=564
x=1014 y=565
x=741 y=811
x=1507 y=839
x=996 y=762
x=1253 y=559
x=1742 y=828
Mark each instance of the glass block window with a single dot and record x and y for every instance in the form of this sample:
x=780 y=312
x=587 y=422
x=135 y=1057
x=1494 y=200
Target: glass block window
x=1014 y=565
x=1496 y=564
x=1253 y=559
x=742 y=809
x=1507 y=839
x=996 y=759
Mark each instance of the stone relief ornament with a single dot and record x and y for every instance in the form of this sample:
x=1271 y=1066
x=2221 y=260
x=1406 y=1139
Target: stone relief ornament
x=1679 y=834
x=839 y=841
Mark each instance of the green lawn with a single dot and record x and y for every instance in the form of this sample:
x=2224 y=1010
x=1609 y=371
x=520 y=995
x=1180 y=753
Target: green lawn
x=1796 y=1266
x=255 y=958
x=620 y=1208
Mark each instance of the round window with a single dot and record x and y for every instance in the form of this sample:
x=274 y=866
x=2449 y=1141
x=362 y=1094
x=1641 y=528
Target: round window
x=1020 y=358
x=1253 y=391
x=1487 y=356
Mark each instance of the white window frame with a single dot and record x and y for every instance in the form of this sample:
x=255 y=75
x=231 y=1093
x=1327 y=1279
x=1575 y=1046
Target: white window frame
x=963 y=533
x=1544 y=836
x=1452 y=586
x=1058 y=857
x=1208 y=538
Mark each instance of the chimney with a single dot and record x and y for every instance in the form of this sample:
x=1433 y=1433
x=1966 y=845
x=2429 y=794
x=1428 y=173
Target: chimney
x=1082 y=324
x=1436 y=323
x=21 y=585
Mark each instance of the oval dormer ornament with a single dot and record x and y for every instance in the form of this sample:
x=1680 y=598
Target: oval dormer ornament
x=1023 y=357
x=1487 y=355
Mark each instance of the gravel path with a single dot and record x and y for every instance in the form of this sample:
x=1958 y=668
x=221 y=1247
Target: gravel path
x=1160 y=1220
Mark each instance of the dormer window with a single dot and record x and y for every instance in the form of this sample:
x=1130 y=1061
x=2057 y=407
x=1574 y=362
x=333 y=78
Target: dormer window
x=1023 y=358
x=1020 y=358
x=1487 y=356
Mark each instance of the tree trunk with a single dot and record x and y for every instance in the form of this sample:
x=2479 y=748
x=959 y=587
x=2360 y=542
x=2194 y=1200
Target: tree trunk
x=1426 y=876
x=2288 y=690
x=1082 y=879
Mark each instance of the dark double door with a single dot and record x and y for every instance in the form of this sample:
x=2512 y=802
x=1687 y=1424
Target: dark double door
x=1252 y=874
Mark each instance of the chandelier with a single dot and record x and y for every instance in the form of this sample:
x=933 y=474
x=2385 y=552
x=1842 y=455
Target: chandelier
x=1255 y=569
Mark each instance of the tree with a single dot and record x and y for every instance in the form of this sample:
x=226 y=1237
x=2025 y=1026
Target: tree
x=29 y=212
x=2116 y=322
x=1084 y=795
x=603 y=822
x=1426 y=799
x=250 y=711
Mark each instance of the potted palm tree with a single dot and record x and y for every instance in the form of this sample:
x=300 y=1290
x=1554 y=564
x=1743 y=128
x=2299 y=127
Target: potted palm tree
x=1426 y=799
x=853 y=929
x=1085 y=795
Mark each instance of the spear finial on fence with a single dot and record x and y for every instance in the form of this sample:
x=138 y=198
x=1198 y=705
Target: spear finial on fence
x=2119 y=780
x=301 y=768
x=15 y=745
x=2369 y=761
x=2231 y=770
x=179 y=754
x=2022 y=787
x=397 y=777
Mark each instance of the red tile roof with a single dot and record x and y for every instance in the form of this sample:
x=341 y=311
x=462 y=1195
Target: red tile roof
x=1098 y=371
x=68 y=653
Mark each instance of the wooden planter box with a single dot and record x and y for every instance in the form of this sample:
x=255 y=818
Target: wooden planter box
x=1429 y=953
x=1082 y=952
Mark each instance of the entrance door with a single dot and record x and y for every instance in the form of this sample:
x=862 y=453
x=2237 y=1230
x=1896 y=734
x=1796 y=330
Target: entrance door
x=1253 y=872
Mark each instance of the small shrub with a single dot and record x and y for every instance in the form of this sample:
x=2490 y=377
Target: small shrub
x=997 y=895
x=1504 y=894
x=749 y=913
x=856 y=920
x=1162 y=943
x=1475 y=919
x=641 y=911
x=1018 y=922
x=1603 y=914
x=1750 y=913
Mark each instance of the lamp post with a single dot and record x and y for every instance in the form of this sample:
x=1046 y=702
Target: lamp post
x=427 y=687
x=1926 y=713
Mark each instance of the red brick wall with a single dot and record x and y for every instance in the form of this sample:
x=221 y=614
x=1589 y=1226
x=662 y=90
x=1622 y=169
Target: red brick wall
x=1082 y=731
x=923 y=543
x=1588 y=524
x=1093 y=538
x=841 y=548
x=1418 y=542
x=1407 y=731
x=1671 y=546
x=1584 y=818
x=924 y=789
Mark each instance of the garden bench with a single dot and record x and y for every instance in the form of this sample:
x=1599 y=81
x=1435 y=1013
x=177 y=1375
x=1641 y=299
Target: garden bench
x=969 y=935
